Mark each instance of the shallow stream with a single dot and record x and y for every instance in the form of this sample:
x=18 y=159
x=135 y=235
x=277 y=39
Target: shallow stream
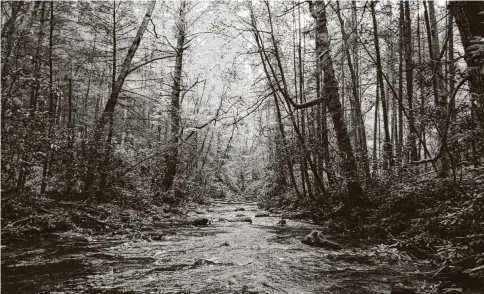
x=224 y=257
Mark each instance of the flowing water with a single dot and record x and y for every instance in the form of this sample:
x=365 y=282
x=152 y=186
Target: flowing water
x=224 y=257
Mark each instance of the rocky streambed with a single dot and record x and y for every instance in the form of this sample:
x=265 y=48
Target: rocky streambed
x=224 y=256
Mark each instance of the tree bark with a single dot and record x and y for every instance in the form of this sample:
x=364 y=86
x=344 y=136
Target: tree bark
x=51 y=124
x=409 y=79
x=387 y=147
x=438 y=85
x=360 y=125
x=470 y=21
x=172 y=155
x=36 y=63
x=331 y=93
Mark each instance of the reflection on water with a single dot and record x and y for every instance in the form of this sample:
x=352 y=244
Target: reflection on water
x=227 y=257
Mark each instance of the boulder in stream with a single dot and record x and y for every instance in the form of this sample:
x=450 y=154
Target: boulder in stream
x=241 y=220
x=202 y=262
x=262 y=214
x=316 y=239
x=201 y=222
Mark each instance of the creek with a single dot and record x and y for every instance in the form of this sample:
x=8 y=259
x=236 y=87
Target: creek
x=224 y=257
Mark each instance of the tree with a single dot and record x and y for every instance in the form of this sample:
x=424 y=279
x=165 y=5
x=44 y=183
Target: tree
x=172 y=155
x=468 y=17
x=108 y=113
x=331 y=93
x=387 y=147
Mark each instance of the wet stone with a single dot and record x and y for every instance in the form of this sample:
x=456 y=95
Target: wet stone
x=201 y=222
x=156 y=217
x=262 y=214
x=241 y=220
x=316 y=239
x=202 y=262
x=282 y=222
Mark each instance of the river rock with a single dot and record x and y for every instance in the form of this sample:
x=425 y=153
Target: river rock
x=202 y=262
x=262 y=214
x=155 y=236
x=399 y=288
x=316 y=239
x=201 y=222
x=241 y=219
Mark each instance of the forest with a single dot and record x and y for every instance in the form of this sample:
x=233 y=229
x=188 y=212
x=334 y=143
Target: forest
x=365 y=118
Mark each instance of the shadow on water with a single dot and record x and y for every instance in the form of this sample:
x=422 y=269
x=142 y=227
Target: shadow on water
x=25 y=278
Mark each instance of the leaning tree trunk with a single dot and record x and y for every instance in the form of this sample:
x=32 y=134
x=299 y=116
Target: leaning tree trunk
x=172 y=156
x=331 y=91
x=108 y=113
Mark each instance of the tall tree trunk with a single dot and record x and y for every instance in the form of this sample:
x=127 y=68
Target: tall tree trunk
x=323 y=124
x=409 y=78
x=331 y=93
x=387 y=147
x=470 y=21
x=300 y=117
x=172 y=155
x=421 y=90
x=375 y=130
x=438 y=85
x=36 y=64
x=399 y=146
x=51 y=124
x=108 y=149
x=285 y=146
x=360 y=125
